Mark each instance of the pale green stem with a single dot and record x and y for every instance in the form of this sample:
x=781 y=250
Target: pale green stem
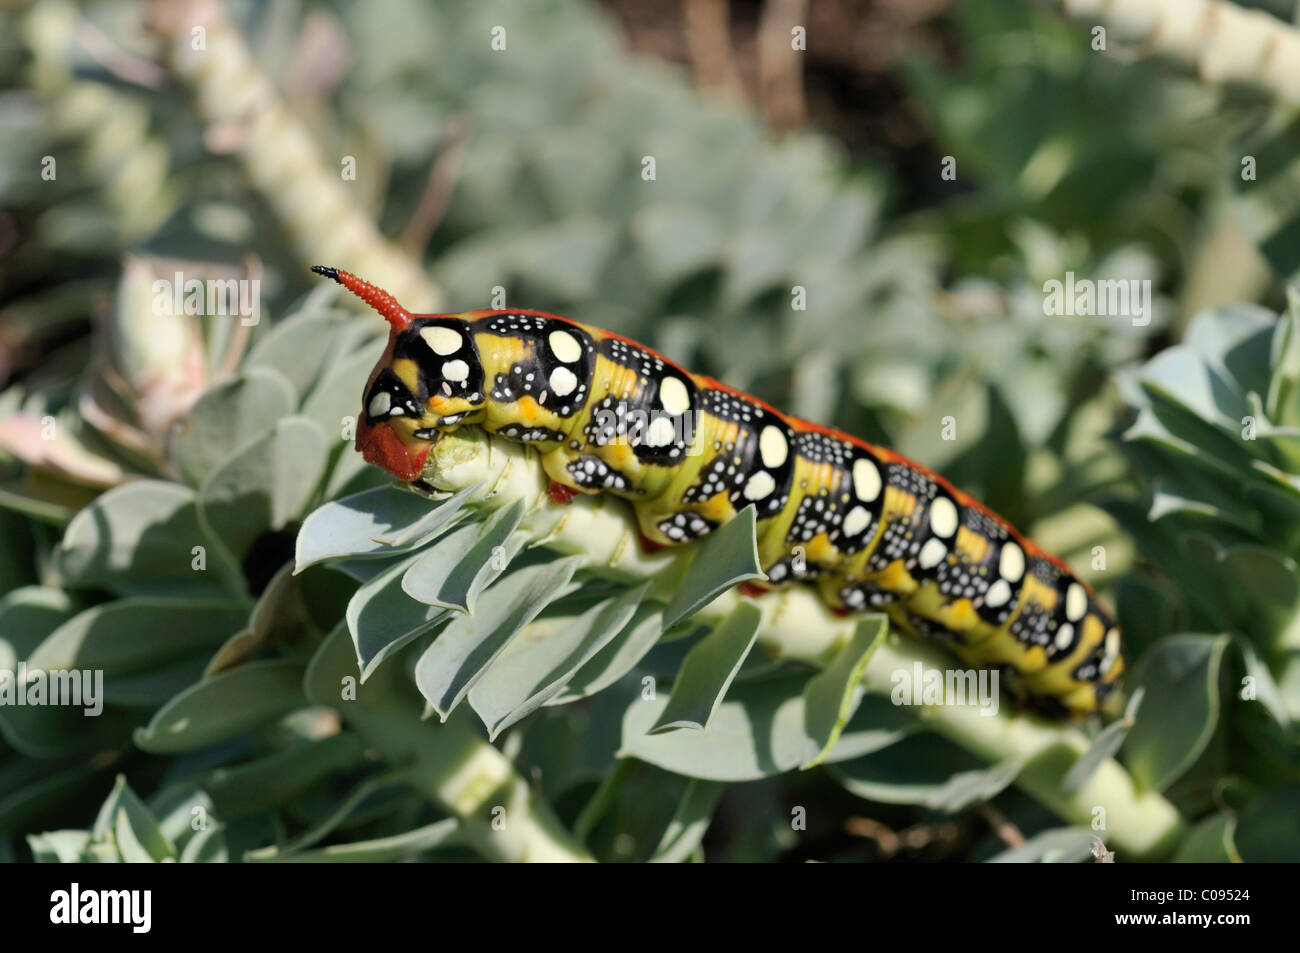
x=451 y=764
x=797 y=625
x=1224 y=44
x=312 y=195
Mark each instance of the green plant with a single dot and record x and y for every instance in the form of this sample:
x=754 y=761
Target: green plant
x=1215 y=434
x=256 y=713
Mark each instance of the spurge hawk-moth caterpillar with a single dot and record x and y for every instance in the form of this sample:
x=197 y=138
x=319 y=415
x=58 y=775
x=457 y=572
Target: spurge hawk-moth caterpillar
x=872 y=530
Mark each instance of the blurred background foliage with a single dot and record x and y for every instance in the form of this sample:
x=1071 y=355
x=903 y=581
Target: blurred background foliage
x=520 y=172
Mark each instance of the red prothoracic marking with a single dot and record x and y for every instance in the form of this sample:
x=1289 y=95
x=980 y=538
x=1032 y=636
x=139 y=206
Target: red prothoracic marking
x=753 y=589
x=649 y=546
x=560 y=494
x=381 y=446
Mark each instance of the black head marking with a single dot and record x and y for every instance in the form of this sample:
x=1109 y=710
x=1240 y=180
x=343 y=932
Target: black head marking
x=450 y=367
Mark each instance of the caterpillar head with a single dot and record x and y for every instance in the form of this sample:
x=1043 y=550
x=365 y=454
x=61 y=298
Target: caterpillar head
x=427 y=382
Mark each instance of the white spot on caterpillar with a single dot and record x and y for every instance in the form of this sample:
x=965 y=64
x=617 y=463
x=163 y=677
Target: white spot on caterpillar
x=998 y=595
x=455 y=371
x=1076 y=602
x=379 y=404
x=857 y=520
x=659 y=433
x=943 y=517
x=674 y=396
x=442 y=341
x=1011 y=564
x=759 y=486
x=565 y=346
x=1112 y=643
x=932 y=553
x=866 y=480
x=563 y=381
x=1064 y=636
x=773 y=447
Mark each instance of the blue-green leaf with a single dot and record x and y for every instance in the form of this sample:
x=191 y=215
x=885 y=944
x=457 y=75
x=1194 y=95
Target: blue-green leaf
x=708 y=670
x=727 y=556
x=453 y=573
x=128 y=820
x=224 y=706
x=383 y=619
x=758 y=731
x=619 y=656
x=266 y=484
x=450 y=666
x=110 y=637
x=1180 y=675
x=228 y=415
x=380 y=850
x=138 y=538
x=689 y=822
x=27 y=616
x=1210 y=842
x=832 y=695
x=1268 y=828
x=280 y=777
x=355 y=526
x=528 y=674
x=923 y=769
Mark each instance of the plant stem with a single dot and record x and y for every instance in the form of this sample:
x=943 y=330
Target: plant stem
x=455 y=767
x=797 y=625
x=450 y=764
x=311 y=195
x=1221 y=42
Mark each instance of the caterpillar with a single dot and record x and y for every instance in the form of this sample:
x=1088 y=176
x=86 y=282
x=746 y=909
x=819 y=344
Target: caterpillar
x=872 y=530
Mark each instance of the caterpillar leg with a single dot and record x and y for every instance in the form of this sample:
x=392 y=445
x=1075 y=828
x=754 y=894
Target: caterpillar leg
x=559 y=494
x=649 y=546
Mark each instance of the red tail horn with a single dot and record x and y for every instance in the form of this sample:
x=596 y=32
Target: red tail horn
x=377 y=298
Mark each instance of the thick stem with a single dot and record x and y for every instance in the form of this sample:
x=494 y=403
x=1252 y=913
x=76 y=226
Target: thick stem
x=797 y=625
x=454 y=767
x=310 y=194
x=1221 y=42
x=451 y=764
